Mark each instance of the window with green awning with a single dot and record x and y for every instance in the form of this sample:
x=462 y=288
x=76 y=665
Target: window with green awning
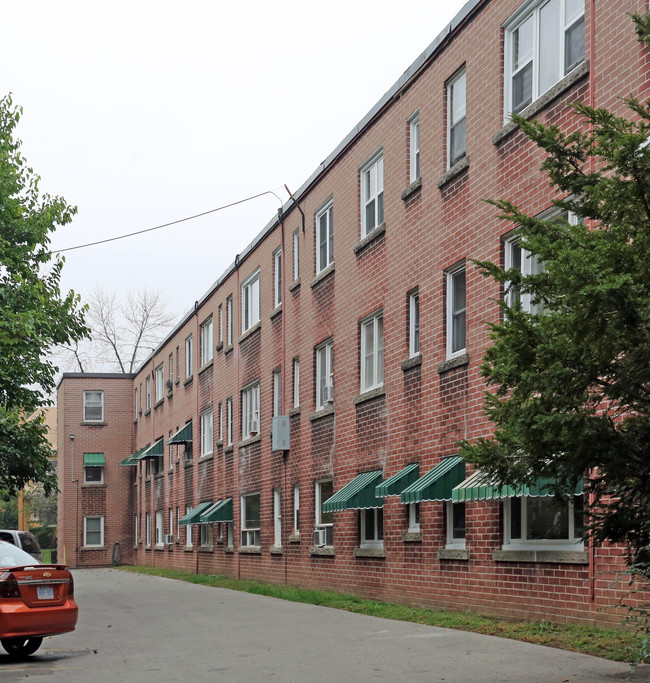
x=156 y=450
x=94 y=460
x=183 y=435
x=193 y=516
x=393 y=486
x=359 y=494
x=438 y=483
x=480 y=486
x=221 y=511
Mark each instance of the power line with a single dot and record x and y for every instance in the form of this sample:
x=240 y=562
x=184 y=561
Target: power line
x=166 y=225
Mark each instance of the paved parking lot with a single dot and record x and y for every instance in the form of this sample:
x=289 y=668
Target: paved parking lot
x=139 y=628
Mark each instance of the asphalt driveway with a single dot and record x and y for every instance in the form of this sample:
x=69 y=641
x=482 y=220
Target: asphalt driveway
x=140 y=628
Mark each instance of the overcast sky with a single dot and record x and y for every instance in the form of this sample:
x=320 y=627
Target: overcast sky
x=141 y=113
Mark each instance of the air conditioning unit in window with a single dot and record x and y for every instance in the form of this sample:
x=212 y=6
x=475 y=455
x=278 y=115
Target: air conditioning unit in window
x=328 y=394
x=168 y=539
x=170 y=385
x=255 y=427
x=320 y=537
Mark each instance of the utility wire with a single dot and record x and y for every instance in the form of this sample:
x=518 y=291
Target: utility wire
x=166 y=225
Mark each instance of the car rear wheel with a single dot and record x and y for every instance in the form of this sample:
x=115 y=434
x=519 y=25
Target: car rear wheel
x=21 y=647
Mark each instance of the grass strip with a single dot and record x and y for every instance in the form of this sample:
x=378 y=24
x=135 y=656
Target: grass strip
x=615 y=644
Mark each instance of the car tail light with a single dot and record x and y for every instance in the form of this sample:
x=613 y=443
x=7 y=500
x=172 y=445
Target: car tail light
x=8 y=586
x=71 y=587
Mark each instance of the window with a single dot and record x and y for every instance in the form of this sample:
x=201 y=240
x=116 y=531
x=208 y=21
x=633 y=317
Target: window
x=413 y=517
x=544 y=42
x=371 y=523
x=230 y=539
x=188 y=529
x=250 y=302
x=324 y=491
x=521 y=260
x=296 y=382
x=93 y=406
x=277 y=277
x=171 y=521
x=206 y=535
x=170 y=381
x=136 y=403
x=277 y=393
x=324 y=375
x=160 y=382
x=372 y=352
x=171 y=459
x=220 y=422
x=296 y=510
x=206 y=432
x=189 y=365
x=147 y=529
x=414 y=324
x=135 y=529
x=372 y=194
x=456 y=106
x=414 y=147
x=455 y=525
x=220 y=324
x=178 y=523
x=229 y=321
x=93 y=532
x=229 y=422
x=324 y=237
x=160 y=528
x=250 y=411
x=94 y=474
x=296 y=255
x=250 y=520
x=178 y=366
x=277 y=518
x=147 y=383
x=456 y=312
x=543 y=522
x=206 y=340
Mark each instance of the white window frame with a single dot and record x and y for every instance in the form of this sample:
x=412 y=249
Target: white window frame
x=147 y=384
x=374 y=517
x=188 y=528
x=207 y=433
x=206 y=338
x=277 y=518
x=171 y=521
x=250 y=410
x=531 y=10
x=570 y=543
x=250 y=301
x=453 y=313
x=220 y=323
x=372 y=193
x=372 y=354
x=160 y=382
x=160 y=529
x=455 y=540
x=277 y=277
x=229 y=421
x=136 y=404
x=229 y=321
x=414 y=324
x=147 y=529
x=220 y=423
x=189 y=360
x=93 y=405
x=277 y=393
x=171 y=371
x=296 y=382
x=413 y=517
x=296 y=510
x=296 y=255
x=135 y=529
x=100 y=469
x=456 y=114
x=323 y=519
x=324 y=239
x=206 y=535
x=178 y=523
x=250 y=534
x=414 y=147
x=324 y=370
x=94 y=531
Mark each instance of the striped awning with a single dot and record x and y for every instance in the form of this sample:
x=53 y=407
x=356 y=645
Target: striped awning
x=183 y=435
x=156 y=450
x=394 y=485
x=94 y=460
x=193 y=516
x=134 y=457
x=359 y=494
x=437 y=484
x=480 y=486
x=221 y=511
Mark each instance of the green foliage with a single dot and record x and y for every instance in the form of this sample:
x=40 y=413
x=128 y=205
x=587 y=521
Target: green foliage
x=8 y=513
x=45 y=535
x=569 y=389
x=34 y=314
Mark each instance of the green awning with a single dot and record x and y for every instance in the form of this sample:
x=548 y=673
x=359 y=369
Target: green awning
x=221 y=511
x=94 y=460
x=357 y=494
x=394 y=485
x=193 y=516
x=480 y=486
x=437 y=484
x=183 y=435
x=156 y=450
x=134 y=457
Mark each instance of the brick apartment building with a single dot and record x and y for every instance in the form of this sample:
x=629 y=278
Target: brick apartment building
x=358 y=314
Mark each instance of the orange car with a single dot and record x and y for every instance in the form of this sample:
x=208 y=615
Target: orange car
x=36 y=600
